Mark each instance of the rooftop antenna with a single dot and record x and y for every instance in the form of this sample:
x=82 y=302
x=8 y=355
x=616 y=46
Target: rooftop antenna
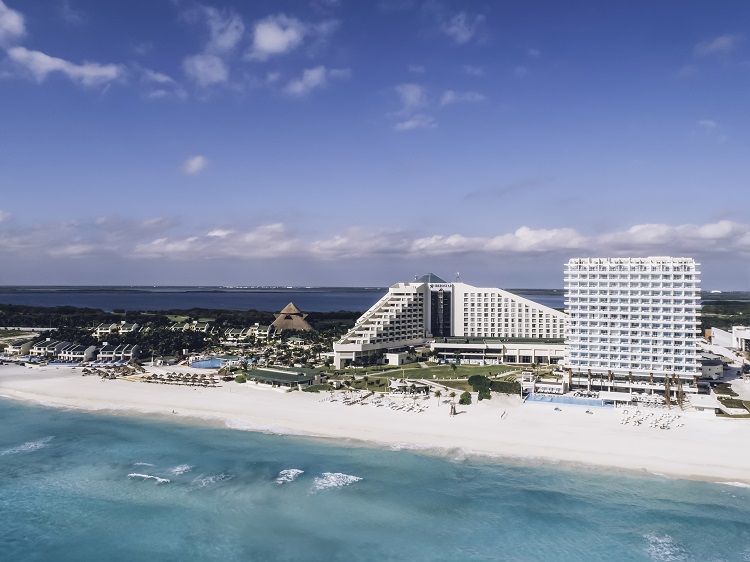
x=458 y=277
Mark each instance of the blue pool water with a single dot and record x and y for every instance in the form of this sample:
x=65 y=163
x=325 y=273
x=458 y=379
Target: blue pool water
x=213 y=363
x=569 y=400
x=78 y=486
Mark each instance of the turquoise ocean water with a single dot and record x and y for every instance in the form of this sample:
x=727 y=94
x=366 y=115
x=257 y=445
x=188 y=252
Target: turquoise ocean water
x=82 y=486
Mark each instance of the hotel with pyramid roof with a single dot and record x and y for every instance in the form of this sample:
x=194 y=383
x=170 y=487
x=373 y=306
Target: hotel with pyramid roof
x=487 y=325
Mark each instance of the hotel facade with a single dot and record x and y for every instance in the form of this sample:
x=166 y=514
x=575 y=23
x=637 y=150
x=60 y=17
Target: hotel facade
x=633 y=323
x=487 y=325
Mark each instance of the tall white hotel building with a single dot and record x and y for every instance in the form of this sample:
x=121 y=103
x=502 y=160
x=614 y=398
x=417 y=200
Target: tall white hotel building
x=632 y=323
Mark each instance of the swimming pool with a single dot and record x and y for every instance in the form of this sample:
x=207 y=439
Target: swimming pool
x=213 y=363
x=569 y=400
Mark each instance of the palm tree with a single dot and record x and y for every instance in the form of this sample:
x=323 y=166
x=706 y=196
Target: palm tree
x=438 y=394
x=453 y=396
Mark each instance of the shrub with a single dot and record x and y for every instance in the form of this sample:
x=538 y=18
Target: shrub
x=484 y=394
x=240 y=379
x=505 y=387
x=465 y=398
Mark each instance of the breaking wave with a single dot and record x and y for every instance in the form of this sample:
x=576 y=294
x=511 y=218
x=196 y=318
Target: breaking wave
x=202 y=481
x=334 y=480
x=148 y=477
x=180 y=469
x=288 y=475
x=27 y=447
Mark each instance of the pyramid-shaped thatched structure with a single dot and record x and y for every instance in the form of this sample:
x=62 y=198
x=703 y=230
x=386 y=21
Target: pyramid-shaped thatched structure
x=291 y=318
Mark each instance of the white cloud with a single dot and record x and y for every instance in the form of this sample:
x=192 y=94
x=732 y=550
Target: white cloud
x=473 y=70
x=534 y=53
x=463 y=27
x=280 y=34
x=87 y=74
x=225 y=30
x=417 y=121
x=520 y=71
x=313 y=78
x=206 y=69
x=12 y=24
x=721 y=44
x=153 y=238
x=708 y=124
x=451 y=96
x=194 y=165
x=417 y=68
x=156 y=77
x=71 y=15
x=4 y=216
x=267 y=241
x=412 y=96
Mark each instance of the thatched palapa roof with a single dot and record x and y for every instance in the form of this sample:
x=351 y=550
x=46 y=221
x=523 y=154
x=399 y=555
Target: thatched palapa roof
x=291 y=318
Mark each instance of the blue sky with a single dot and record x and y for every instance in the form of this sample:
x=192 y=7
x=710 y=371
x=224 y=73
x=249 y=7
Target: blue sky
x=361 y=143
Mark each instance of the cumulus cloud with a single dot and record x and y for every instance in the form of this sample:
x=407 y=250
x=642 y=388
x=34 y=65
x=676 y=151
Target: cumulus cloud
x=225 y=29
x=194 y=165
x=313 y=78
x=463 y=27
x=721 y=44
x=280 y=34
x=451 y=96
x=71 y=15
x=267 y=241
x=12 y=25
x=206 y=69
x=418 y=121
x=164 y=238
x=39 y=65
x=412 y=96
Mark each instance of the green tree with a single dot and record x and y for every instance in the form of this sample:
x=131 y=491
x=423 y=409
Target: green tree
x=438 y=394
x=465 y=398
x=240 y=379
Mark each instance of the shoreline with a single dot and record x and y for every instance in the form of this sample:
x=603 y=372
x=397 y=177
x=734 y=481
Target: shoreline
x=502 y=429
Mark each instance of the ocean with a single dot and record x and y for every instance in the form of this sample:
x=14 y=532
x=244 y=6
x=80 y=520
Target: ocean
x=88 y=486
x=318 y=299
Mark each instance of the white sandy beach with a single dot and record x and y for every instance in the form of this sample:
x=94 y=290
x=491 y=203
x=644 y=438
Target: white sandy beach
x=703 y=448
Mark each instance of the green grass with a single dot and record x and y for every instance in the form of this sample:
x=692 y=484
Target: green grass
x=176 y=318
x=724 y=388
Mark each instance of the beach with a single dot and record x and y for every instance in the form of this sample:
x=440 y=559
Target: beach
x=699 y=447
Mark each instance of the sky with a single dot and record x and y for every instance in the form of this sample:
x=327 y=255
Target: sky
x=349 y=143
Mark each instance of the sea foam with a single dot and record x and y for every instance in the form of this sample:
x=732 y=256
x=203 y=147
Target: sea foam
x=27 y=447
x=148 y=477
x=288 y=475
x=202 y=481
x=180 y=469
x=334 y=480
x=735 y=484
x=664 y=549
